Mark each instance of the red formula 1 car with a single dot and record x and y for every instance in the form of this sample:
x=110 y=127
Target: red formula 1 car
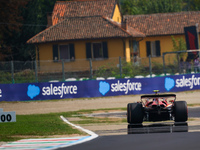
x=157 y=107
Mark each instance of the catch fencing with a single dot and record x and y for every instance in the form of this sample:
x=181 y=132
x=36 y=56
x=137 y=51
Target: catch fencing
x=82 y=69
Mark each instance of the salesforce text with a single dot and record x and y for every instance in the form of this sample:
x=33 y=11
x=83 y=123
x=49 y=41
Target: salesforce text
x=59 y=90
x=188 y=82
x=128 y=86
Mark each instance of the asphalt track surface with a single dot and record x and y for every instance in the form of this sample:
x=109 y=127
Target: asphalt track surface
x=194 y=112
x=158 y=141
x=153 y=137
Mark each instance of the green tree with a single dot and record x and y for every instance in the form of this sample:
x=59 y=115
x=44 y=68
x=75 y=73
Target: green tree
x=164 y=6
x=133 y=7
x=10 y=23
x=179 y=45
x=34 y=21
x=130 y=7
x=191 y=5
x=19 y=21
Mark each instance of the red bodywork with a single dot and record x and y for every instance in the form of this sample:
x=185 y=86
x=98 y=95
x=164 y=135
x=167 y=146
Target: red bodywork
x=158 y=102
x=158 y=107
x=161 y=101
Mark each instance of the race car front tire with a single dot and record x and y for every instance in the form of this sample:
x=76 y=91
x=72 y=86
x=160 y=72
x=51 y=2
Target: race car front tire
x=135 y=113
x=180 y=111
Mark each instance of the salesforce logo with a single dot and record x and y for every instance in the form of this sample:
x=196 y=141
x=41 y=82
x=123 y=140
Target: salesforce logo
x=169 y=83
x=105 y=87
x=182 y=82
x=33 y=91
x=53 y=90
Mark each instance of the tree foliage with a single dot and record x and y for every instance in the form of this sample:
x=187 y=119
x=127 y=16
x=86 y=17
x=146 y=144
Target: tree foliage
x=191 y=5
x=19 y=21
x=179 y=45
x=135 y=7
x=10 y=19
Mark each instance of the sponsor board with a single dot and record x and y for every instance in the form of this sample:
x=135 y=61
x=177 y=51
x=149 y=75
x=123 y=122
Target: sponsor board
x=98 y=88
x=188 y=82
x=0 y=93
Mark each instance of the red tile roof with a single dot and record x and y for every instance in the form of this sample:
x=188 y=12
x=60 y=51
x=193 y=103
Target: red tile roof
x=64 y=9
x=163 y=23
x=91 y=27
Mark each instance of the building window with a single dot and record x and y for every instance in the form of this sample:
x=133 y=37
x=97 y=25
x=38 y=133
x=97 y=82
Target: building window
x=135 y=46
x=96 y=51
x=153 y=48
x=63 y=52
x=135 y=53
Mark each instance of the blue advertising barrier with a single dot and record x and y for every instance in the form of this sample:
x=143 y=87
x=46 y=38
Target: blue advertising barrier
x=96 y=88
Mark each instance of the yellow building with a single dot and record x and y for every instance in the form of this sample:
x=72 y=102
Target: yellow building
x=83 y=30
x=158 y=29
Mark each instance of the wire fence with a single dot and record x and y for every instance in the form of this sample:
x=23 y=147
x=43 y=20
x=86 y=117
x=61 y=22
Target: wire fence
x=81 y=69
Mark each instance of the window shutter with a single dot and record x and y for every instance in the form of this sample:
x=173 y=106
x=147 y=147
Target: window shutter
x=71 y=50
x=88 y=50
x=105 y=50
x=55 y=52
x=157 y=48
x=148 y=45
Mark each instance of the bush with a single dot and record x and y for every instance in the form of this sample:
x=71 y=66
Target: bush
x=5 y=77
x=128 y=69
x=172 y=69
x=19 y=77
x=24 y=76
x=157 y=68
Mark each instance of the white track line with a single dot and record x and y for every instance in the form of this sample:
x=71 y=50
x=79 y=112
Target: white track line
x=91 y=137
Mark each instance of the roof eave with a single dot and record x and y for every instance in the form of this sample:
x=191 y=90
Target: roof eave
x=83 y=39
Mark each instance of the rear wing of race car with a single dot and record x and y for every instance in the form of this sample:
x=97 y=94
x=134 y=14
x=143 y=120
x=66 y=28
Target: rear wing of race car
x=159 y=96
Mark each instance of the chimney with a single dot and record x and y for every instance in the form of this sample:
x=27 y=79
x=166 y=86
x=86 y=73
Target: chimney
x=124 y=24
x=49 y=19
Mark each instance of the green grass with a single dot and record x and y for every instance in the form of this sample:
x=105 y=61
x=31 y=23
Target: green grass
x=93 y=120
x=36 y=125
x=97 y=120
x=45 y=125
x=193 y=105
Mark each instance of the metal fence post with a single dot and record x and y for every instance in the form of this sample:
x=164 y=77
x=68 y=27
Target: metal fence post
x=12 y=72
x=120 y=67
x=150 y=67
x=63 y=70
x=179 y=67
x=164 y=70
x=91 y=72
x=36 y=72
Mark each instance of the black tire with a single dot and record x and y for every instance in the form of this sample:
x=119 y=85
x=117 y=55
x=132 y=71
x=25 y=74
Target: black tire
x=135 y=113
x=180 y=111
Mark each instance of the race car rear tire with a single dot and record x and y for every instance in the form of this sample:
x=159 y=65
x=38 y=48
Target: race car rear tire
x=135 y=113
x=180 y=111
